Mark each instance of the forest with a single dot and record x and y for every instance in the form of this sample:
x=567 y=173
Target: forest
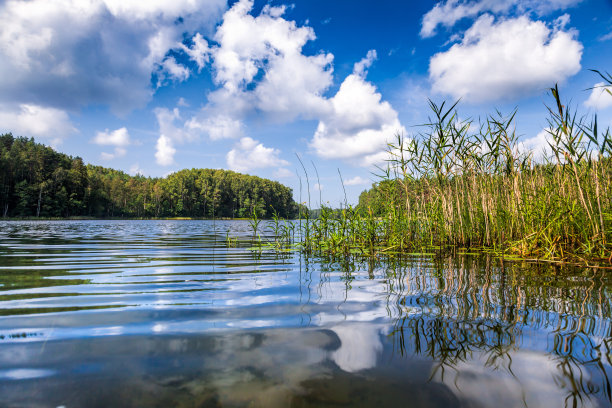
x=37 y=181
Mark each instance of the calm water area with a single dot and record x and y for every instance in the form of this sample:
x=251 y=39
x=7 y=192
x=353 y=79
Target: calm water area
x=167 y=314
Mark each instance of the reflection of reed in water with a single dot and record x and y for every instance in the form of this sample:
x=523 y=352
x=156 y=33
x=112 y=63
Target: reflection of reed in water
x=455 y=310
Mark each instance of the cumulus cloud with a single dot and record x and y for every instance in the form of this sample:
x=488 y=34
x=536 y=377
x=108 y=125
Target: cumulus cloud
x=506 y=59
x=172 y=130
x=261 y=71
x=173 y=70
x=199 y=52
x=36 y=121
x=164 y=154
x=448 y=13
x=600 y=97
x=249 y=154
x=538 y=145
x=356 y=181
x=259 y=65
x=118 y=152
x=71 y=53
x=172 y=125
x=217 y=127
x=119 y=137
x=175 y=129
x=359 y=126
x=361 y=68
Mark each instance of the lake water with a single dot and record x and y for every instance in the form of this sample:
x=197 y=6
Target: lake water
x=166 y=314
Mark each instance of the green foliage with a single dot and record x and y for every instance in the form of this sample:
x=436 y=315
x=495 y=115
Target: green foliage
x=454 y=187
x=36 y=181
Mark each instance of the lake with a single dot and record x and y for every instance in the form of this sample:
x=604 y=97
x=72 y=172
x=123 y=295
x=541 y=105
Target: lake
x=167 y=314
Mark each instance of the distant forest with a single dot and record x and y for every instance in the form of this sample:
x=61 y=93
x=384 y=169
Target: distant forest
x=36 y=181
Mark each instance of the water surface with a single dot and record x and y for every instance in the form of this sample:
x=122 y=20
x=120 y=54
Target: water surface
x=166 y=313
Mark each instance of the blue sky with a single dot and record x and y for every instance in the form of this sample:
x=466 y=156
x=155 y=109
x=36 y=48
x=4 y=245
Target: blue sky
x=158 y=86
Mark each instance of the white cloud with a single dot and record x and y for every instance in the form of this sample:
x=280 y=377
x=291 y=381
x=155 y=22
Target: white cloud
x=540 y=147
x=142 y=10
x=318 y=187
x=537 y=145
x=448 y=13
x=284 y=173
x=259 y=65
x=173 y=70
x=71 y=53
x=359 y=126
x=36 y=121
x=505 y=59
x=173 y=129
x=217 y=127
x=119 y=137
x=118 y=152
x=356 y=181
x=261 y=72
x=361 y=68
x=171 y=125
x=199 y=51
x=249 y=154
x=600 y=97
x=259 y=68
x=165 y=151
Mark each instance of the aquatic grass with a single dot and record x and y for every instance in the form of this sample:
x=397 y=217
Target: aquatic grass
x=461 y=184
x=467 y=186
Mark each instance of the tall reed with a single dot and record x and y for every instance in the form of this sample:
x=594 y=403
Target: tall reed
x=461 y=184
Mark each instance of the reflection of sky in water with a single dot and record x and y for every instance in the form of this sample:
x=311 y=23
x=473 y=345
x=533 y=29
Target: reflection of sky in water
x=166 y=306
x=533 y=381
x=24 y=374
x=359 y=347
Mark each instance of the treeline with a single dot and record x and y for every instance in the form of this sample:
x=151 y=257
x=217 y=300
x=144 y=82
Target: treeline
x=36 y=181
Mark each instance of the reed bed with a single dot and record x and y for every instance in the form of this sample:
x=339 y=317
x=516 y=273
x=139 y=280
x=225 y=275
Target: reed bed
x=465 y=185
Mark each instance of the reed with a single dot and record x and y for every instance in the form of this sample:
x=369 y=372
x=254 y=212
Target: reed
x=461 y=185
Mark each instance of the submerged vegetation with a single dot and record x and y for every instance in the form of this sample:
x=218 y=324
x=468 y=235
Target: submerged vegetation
x=451 y=187
x=36 y=181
